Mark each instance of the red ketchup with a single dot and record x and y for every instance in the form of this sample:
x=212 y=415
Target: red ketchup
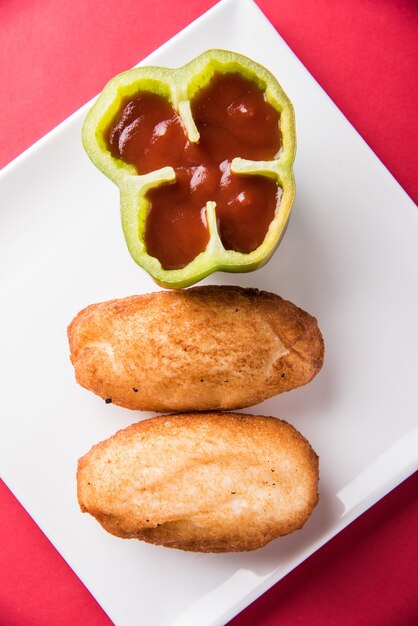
x=234 y=119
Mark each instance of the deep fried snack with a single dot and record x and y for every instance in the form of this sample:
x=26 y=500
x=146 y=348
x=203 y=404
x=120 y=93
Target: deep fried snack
x=206 y=482
x=202 y=348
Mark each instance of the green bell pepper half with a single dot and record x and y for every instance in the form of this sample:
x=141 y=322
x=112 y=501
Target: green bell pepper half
x=179 y=85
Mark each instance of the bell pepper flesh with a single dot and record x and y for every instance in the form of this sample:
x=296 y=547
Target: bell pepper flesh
x=203 y=158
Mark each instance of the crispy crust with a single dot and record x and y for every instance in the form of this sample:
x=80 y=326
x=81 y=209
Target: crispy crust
x=204 y=348
x=205 y=482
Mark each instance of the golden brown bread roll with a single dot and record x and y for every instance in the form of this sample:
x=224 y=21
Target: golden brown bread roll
x=207 y=482
x=198 y=349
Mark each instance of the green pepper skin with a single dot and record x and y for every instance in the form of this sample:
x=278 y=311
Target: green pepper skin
x=179 y=85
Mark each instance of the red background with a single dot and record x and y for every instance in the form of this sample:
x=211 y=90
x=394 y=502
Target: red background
x=55 y=56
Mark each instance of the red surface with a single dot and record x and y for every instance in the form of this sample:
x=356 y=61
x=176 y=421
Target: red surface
x=54 y=57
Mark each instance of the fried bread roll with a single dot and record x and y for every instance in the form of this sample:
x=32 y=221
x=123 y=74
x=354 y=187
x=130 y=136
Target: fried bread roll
x=202 y=348
x=206 y=482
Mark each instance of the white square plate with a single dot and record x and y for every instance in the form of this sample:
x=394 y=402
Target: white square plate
x=350 y=256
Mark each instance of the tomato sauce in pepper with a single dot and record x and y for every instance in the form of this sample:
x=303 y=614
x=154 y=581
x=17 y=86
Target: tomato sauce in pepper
x=234 y=119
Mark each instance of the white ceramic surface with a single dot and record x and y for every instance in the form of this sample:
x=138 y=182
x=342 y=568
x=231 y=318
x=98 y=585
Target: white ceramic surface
x=350 y=256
